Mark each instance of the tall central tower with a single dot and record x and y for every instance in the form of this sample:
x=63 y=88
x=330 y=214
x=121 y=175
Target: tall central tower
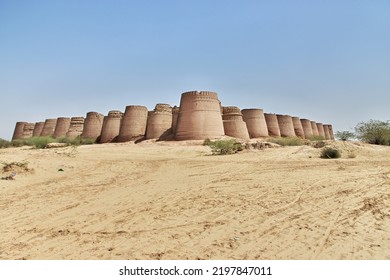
x=199 y=116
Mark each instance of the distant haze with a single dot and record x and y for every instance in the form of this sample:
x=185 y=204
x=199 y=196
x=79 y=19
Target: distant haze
x=328 y=61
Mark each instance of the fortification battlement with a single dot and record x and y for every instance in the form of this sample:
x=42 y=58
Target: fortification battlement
x=115 y=114
x=51 y=120
x=75 y=120
x=231 y=110
x=136 y=107
x=94 y=115
x=161 y=107
x=252 y=109
x=209 y=94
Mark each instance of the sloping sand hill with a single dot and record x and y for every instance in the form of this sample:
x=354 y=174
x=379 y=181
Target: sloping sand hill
x=174 y=201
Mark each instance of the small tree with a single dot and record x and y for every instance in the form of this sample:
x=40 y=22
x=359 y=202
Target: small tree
x=344 y=135
x=374 y=132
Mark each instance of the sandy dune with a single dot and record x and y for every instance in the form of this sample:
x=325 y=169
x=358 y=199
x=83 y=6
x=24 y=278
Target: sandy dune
x=170 y=201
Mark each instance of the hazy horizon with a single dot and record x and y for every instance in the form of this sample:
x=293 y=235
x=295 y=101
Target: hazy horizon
x=328 y=61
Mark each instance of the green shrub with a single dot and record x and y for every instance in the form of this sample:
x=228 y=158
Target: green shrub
x=37 y=142
x=287 y=141
x=329 y=152
x=344 y=135
x=87 y=141
x=316 y=138
x=64 y=140
x=224 y=147
x=40 y=142
x=374 y=132
x=5 y=143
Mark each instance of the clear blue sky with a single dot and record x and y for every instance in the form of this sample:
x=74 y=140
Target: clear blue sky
x=328 y=61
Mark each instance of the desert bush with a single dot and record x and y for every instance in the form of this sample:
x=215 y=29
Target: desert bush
x=40 y=142
x=87 y=141
x=5 y=143
x=344 y=135
x=287 y=141
x=76 y=141
x=374 y=132
x=316 y=138
x=37 y=142
x=329 y=152
x=224 y=147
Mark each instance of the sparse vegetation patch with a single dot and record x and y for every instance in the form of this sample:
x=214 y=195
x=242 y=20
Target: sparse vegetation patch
x=329 y=152
x=287 y=141
x=224 y=147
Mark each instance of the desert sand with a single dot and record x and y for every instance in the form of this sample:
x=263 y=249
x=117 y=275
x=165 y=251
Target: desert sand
x=172 y=200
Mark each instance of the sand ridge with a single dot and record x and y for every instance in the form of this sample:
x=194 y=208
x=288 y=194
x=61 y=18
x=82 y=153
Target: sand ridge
x=174 y=201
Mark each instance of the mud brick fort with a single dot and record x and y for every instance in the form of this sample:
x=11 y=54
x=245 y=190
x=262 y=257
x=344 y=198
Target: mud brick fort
x=200 y=116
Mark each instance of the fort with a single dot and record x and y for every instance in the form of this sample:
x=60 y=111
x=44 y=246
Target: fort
x=200 y=116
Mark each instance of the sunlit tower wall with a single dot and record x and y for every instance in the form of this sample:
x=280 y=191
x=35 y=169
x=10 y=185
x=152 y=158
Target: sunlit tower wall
x=314 y=127
x=76 y=127
x=272 y=124
x=18 y=131
x=38 y=129
x=28 y=130
x=134 y=123
x=326 y=132
x=159 y=123
x=286 y=125
x=233 y=123
x=49 y=127
x=255 y=122
x=320 y=128
x=199 y=116
x=331 y=133
x=298 y=129
x=62 y=127
x=307 y=128
x=111 y=126
x=92 y=125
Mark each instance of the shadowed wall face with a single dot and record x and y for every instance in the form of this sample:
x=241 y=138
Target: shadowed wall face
x=28 y=130
x=76 y=127
x=134 y=123
x=326 y=131
x=307 y=128
x=175 y=115
x=286 y=125
x=272 y=124
x=255 y=122
x=62 y=127
x=111 y=126
x=314 y=127
x=49 y=127
x=38 y=129
x=233 y=123
x=92 y=125
x=320 y=129
x=18 y=132
x=199 y=116
x=159 y=124
x=298 y=129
